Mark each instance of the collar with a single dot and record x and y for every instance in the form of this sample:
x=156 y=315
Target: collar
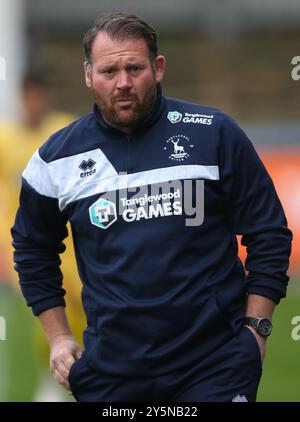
x=150 y=120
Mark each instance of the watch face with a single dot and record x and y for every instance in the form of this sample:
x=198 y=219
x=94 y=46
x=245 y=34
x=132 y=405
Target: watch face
x=264 y=327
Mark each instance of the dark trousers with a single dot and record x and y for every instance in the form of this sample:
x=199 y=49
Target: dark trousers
x=230 y=373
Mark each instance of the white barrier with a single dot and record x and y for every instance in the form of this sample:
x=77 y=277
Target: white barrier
x=2 y=328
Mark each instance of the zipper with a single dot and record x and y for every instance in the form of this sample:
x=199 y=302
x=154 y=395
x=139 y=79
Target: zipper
x=128 y=153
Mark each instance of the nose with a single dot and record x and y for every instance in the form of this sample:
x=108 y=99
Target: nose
x=123 y=81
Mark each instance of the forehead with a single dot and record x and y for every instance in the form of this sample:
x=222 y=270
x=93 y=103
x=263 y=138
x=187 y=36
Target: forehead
x=106 y=49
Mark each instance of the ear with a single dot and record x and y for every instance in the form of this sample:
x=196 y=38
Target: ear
x=159 y=68
x=87 y=74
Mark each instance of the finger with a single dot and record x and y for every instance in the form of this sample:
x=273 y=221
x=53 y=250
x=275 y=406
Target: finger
x=68 y=362
x=78 y=353
x=63 y=370
x=61 y=380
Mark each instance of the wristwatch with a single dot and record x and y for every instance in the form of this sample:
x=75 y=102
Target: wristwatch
x=262 y=325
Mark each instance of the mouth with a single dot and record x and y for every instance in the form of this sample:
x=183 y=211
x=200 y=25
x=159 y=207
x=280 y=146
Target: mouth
x=124 y=100
x=125 y=103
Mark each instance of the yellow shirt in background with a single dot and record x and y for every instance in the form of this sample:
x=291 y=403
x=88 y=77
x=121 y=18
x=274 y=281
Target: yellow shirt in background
x=17 y=145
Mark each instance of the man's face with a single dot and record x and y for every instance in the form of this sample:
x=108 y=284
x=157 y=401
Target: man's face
x=123 y=80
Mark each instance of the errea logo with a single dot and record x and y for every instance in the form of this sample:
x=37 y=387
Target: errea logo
x=239 y=398
x=87 y=167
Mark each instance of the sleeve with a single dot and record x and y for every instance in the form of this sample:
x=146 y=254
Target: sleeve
x=253 y=210
x=38 y=234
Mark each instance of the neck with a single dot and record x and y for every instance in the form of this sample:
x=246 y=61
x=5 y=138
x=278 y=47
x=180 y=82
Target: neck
x=126 y=130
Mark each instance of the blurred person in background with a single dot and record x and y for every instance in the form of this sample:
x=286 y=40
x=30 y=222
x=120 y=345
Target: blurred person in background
x=171 y=313
x=18 y=141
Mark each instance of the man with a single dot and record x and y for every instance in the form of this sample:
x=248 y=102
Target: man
x=165 y=293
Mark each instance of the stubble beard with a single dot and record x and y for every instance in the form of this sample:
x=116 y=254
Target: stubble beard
x=139 y=109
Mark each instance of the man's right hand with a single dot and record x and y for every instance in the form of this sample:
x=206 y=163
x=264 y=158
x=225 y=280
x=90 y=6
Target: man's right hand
x=64 y=352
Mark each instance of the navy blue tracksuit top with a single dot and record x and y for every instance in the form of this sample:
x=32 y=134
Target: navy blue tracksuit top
x=154 y=218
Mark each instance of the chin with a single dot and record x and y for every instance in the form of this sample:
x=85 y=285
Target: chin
x=127 y=119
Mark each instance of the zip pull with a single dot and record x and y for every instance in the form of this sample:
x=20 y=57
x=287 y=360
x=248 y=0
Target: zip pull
x=129 y=137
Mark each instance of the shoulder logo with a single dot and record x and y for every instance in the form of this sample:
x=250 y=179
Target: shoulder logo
x=196 y=118
x=87 y=167
x=174 y=116
x=178 y=146
x=191 y=118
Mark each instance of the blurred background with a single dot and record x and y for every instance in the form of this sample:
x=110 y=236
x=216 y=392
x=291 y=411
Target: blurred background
x=233 y=55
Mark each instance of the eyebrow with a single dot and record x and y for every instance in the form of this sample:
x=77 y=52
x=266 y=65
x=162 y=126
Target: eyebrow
x=131 y=62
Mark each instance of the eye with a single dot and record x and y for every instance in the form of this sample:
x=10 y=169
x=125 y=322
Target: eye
x=134 y=69
x=108 y=72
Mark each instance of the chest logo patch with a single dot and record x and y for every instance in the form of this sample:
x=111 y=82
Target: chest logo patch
x=179 y=147
x=103 y=213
